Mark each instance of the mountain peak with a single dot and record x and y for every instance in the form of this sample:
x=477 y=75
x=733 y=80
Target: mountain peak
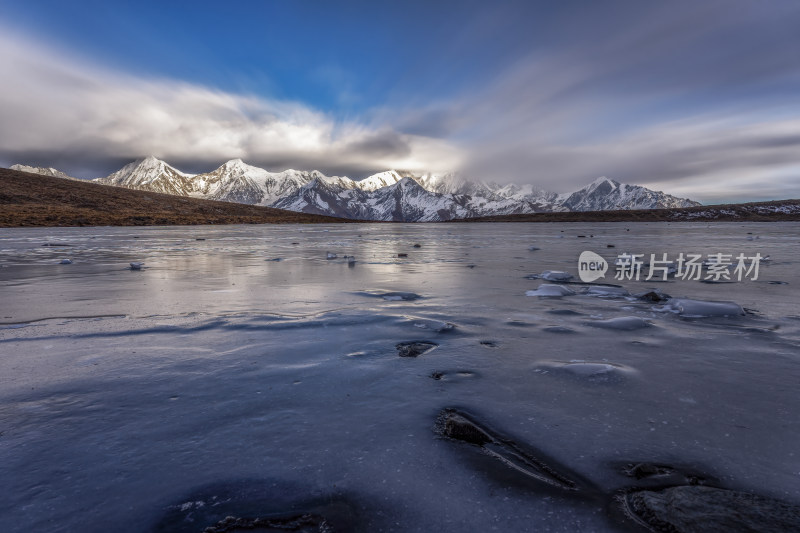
x=601 y=180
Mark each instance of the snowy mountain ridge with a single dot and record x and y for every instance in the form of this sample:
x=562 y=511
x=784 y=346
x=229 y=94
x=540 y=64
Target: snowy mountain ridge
x=44 y=171
x=390 y=196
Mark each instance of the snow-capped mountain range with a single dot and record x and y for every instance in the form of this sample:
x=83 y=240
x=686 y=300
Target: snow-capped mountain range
x=44 y=171
x=388 y=196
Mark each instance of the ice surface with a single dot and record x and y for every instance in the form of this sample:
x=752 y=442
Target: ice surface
x=215 y=383
x=622 y=323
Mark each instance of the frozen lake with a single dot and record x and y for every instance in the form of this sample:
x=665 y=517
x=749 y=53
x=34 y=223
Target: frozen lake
x=241 y=373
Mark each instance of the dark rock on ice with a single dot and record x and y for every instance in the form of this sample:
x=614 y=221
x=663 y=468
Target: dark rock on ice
x=414 y=348
x=303 y=523
x=456 y=426
x=459 y=426
x=568 y=312
x=657 y=475
x=65 y=262
x=653 y=296
x=417 y=246
x=402 y=255
x=700 y=509
x=392 y=295
x=260 y=505
x=453 y=376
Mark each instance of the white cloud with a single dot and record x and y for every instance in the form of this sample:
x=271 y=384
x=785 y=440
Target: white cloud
x=55 y=103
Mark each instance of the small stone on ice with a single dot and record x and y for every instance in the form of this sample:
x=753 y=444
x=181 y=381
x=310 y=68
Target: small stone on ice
x=66 y=262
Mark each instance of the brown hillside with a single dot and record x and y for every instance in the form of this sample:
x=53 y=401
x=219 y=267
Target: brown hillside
x=34 y=200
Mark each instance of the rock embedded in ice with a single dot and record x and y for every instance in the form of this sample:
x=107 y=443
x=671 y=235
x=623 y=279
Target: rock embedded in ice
x=459 y=375
x=459 y=426
x=417 y=246
x=700 y=308
x=330 y=255
x=555 y=275
x=414 y=348
x=623 y=323
x=533 y=248
x=653 y=296
x=299 y=523
x=136 y=265
x=397 y=296
x=697 y=508
x=65 y=262
x=550 y=291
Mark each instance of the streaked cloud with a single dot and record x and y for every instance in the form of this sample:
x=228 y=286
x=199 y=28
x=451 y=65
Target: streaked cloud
x=59 y=110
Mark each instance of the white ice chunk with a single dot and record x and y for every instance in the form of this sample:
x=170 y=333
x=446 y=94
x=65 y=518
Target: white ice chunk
x=552 y=291
x=699 y=308
x=555 y=275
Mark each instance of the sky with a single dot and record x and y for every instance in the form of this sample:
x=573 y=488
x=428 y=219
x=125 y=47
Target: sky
x=698 y=99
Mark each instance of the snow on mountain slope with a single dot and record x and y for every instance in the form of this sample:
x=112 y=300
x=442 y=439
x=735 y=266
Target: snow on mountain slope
x=604 y=194
x=390 y=195
x=379 y=180
x=44 y=171
x=151 y=174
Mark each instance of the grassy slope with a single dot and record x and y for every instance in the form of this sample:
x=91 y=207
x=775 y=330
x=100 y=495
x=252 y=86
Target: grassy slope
x=33 y=200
